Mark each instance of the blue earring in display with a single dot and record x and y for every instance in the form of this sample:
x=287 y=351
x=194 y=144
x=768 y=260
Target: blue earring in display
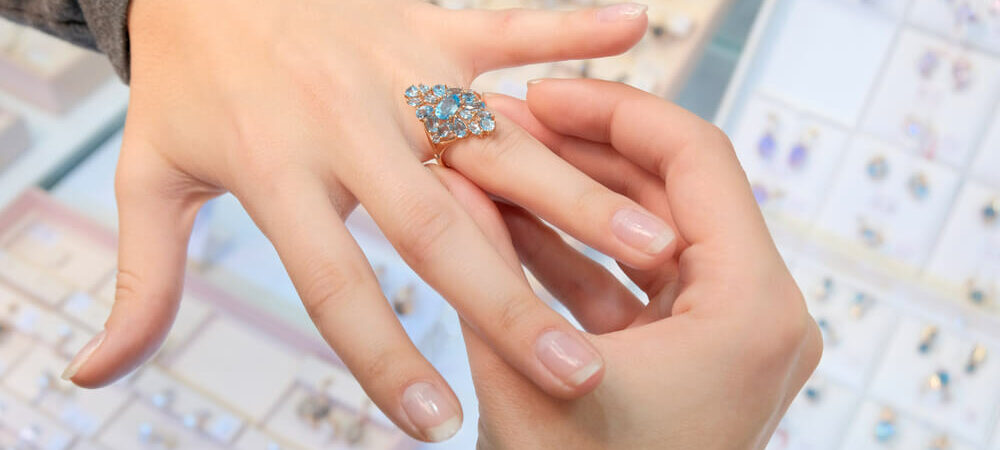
x=976 y=359
x=870 y=235
x=938 y=383
x=885 y=427
x=877 y=168
x=978 y=294
x=799 y=154
x=918 y=186
x=928 y=336
x=860 y=305
x=767 y=145
x=991 y=211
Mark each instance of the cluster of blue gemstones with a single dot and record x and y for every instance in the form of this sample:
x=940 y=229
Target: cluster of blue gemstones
x=449 y=113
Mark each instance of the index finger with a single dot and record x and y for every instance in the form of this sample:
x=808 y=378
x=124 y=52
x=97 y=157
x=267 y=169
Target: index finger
x=708 y=192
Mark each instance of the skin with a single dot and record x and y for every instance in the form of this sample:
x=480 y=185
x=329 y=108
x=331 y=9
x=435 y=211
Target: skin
x=296 y=108
x=725 y=342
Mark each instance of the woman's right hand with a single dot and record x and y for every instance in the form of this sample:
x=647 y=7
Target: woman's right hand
x=725 y=342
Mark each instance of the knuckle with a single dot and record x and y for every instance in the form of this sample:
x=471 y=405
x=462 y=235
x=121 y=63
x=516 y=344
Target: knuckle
x=495 y=150
x=426 y=223
x=327 y=287
x=591 y=197
x=127 y=286
x=379 y=365
x=514 y=312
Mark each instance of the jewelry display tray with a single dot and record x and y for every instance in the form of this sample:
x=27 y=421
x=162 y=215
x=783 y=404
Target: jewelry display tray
x=227 y=376
x=890 y=227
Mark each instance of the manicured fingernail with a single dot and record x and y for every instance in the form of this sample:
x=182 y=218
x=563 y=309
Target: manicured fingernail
x=83 y=355
x=621 y=12
x=641 y=230
x=567 y=358
x=431 y=411
x=536 y=81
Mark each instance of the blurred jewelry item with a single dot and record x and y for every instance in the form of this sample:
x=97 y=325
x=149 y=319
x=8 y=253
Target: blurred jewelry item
x=402 y=301
x=829 y=334
x=195 y=420
x=991 y=211
x=870 y=235
x=928 y=63
x=885 y=427
x=976 y=359
x=877 y=168
x=940 y=443
x=315 y=408
x=860 y=305
x=813 y=392
x=163 y=399
x=825 y=289
x=961 y=73
x=767 y=145
x=928 y=337
x=764 y=194
x=918 y=186
x=938 y=383
x=151 y=436
x=921 y=131
x=798 y=156
x=977 y=293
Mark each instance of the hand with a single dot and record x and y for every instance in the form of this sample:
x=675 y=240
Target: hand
x=725 y=343
x=297 y=108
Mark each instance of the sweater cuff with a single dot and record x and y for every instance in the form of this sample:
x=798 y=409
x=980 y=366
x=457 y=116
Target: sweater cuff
x=108 y=22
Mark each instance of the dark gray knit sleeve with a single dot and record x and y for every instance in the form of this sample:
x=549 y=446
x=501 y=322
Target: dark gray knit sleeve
x=96 y=24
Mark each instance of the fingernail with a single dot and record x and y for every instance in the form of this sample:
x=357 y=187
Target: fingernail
x=567 y=358
x=83 y=355
x=621 y=12
x=641 y=230
x=431 y=411
x=536 y=81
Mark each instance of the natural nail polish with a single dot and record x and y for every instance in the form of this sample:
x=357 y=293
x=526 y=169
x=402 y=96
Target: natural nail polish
x=83 y=355
x=641 y=230
x=432 y=411
x=570 y=360
x=621 y=12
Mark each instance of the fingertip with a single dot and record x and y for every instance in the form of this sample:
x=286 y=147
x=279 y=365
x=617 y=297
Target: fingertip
x=435 y=413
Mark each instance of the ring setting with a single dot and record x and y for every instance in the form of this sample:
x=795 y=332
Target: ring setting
x=449 y=113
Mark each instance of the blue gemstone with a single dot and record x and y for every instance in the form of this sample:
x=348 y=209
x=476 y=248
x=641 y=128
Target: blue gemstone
x=469 y=98
x=766 y=146
x=924 y=347
x=432 y=125
x=812 y=393
x=990 y=213
x=474 y=128
x=412 y=91
x=413 y=101
x=943 y=377
x=798 y=156
x=440 y=90
x=465 y=114
x=423 y=88
x=977 y=296
x=487 y=124
x=459 y=129
x=485 y=114
x=447 y=107
x=424 y=112
x=885 y=430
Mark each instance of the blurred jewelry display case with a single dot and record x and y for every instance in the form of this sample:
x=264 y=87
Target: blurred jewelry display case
x=205 y=388
x=873 y=153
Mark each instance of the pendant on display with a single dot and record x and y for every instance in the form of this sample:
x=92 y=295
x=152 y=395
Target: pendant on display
x=961 y=72
x=870 y=235
x=798 y=157
x=938 y=384
x=990 y=212
x=885 y=427
x=877 y=168
x=767 y=145
x=918 y=186
x=825 y=289
x=928 y=64
x=977 y=293
x=928 y=337
x=976 y=359
x=860 y=305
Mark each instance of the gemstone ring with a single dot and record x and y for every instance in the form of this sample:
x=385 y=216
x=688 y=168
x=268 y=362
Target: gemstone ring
x=449 y=114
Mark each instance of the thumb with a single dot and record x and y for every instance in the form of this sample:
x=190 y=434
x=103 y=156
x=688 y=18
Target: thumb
x=156 y=211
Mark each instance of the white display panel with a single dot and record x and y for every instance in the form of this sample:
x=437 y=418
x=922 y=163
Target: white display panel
x=895 y=235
